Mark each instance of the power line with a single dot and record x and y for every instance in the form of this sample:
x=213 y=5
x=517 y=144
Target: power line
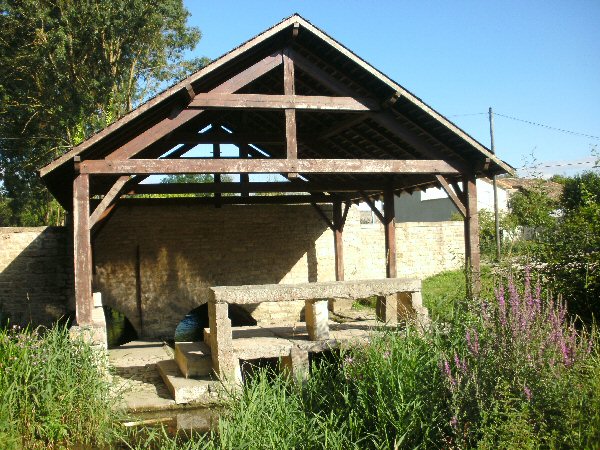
x=547 y=126
x=564 y=164
x=464 y=115
x=530 y=122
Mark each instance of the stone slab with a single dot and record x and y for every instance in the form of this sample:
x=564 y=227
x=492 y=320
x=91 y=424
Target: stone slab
x=253 y=294
x=193 y=359
x=185 y=390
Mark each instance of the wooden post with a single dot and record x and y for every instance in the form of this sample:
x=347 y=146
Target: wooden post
x=472 y=256
x=338 y=228
x=244 y=177
x=289 y=88
x=82 y=250
x=389 y=225
x=217 y=176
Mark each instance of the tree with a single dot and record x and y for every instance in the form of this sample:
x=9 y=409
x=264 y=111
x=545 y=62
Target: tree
x=67 y=69
x=194 y=178
x=533 y=207
x=581 y=190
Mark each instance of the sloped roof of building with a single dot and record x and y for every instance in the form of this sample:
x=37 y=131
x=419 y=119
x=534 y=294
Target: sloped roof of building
x=409 y=129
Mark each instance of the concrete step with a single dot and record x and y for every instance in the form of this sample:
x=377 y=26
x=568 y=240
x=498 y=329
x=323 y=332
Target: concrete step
x=193 y=358
x=186 y=390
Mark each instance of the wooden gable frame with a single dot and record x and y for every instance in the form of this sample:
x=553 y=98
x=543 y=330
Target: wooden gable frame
x=339 y=131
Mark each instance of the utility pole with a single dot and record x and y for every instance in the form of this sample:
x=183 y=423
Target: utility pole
x=496 y=216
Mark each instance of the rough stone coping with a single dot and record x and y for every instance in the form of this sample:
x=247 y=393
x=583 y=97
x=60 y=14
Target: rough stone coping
x=253 y=294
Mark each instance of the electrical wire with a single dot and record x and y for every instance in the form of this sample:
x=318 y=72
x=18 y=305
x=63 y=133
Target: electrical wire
x=530 y=122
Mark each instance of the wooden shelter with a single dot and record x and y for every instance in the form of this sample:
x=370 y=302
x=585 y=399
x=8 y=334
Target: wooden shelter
x=295 y=102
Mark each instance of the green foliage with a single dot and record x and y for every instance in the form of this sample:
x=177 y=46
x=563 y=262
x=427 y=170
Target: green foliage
x=569 y=256
x=194 y=178
x=533 y=207
x=51 y=391
x=69 y=68
x=487 y=231
x=5 y=212
x=510 y=372
x=580 y=191
x=441 y=291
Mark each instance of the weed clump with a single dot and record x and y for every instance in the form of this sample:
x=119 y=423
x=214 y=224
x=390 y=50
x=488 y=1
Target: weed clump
x=52 y=391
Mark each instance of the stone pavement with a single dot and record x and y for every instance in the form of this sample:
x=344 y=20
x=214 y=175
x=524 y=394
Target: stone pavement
x=135 y=377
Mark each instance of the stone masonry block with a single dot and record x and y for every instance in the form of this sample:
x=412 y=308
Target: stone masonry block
x=296 y=364
x=317 y=319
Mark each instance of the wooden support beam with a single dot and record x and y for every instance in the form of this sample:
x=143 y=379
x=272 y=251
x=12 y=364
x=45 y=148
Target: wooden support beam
x=232 y=200
x=110 y=197
x=383 y=118
x=459 y=191
x=82 y=250
x=339 y=127
x=123 y=184
x=161 y=129
x=217 y=176
x=245 y=187
x=278 y=102
x=289 y=89
x=226 y=138
x=347 y=206
x=389 y=225
x=452 y=195
x=244 y=177
x=323 y=166
x=338 y=240
x=369 y=202
x=472 y=255
x=323 y=216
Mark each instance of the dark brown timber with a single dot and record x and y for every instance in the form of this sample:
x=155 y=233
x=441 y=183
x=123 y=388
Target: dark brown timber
x=109 y=198
x=390 y=234
x=275 y=102
x=338 y=228
x=217 y=176
x=455 y=199
x=289 y=89
x=165 y=126
x=82 y=250
x=472 y=256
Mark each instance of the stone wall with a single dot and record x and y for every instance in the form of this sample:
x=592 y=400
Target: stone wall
x=155 y=263
x=35 y=274
x=161 y=261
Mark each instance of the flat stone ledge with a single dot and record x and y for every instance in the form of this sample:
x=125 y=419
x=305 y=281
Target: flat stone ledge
x=355 y=289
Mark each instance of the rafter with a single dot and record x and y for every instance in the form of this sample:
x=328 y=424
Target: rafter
x=167 y=125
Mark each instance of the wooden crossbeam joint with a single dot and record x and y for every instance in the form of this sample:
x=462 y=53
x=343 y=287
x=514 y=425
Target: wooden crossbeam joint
x=369 y=202
x=391 y=101
x=190 y=93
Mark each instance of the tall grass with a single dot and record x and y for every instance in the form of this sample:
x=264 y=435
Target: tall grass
x=52 y=392
x=511 y=372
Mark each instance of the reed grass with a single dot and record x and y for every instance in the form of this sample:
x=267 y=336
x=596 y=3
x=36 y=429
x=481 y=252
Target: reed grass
x=52 y=391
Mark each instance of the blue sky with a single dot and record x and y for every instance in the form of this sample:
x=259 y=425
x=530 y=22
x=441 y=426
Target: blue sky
x=533 y=60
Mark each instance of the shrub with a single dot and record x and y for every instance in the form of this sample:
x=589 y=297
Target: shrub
x=569 y=256
x=511 y=369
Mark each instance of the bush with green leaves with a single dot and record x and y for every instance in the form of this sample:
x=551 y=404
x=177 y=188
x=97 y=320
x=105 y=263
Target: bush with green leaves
x=569 y=256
